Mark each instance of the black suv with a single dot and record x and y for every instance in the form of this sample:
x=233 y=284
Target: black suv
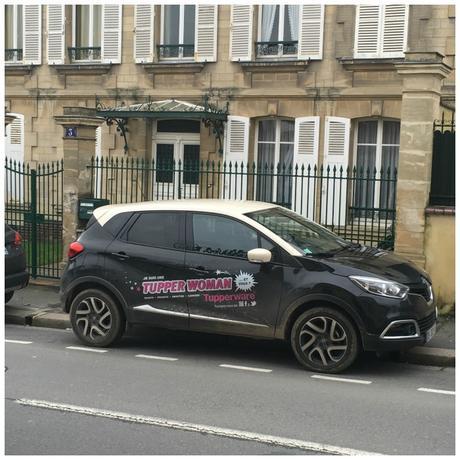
x=243 y=268
x=16 y=276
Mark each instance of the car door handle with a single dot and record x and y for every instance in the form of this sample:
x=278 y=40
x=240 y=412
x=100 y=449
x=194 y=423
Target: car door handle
x=199 y=269
x=121 y=255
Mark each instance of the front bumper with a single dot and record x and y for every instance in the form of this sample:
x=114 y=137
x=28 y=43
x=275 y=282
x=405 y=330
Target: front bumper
x=16 y=281
x=418 y=332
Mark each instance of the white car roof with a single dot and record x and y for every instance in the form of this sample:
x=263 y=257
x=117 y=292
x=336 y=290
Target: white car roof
x=233 y=208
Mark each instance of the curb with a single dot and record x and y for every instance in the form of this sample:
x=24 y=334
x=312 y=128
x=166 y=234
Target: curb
x=430 y=356
x=43 y=318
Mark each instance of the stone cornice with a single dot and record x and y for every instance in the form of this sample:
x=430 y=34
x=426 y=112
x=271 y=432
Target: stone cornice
x=279 y=65
x=81 y=69
x=369 y=65
x=18 y=69
x=162 y=68
x=76 y=120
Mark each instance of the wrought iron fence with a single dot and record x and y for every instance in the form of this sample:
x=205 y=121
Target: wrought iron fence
x=357 y=204
x=33 y=207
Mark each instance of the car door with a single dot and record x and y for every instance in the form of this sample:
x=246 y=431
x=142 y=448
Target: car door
x=226 y=293
x=146 y=262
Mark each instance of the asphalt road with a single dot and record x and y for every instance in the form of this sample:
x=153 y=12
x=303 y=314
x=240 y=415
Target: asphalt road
x=183 y=393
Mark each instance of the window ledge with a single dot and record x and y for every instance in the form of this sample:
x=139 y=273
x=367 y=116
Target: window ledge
x=82 y=69
x=173 y=67
x=18 y=69
x=370 y=64
x=440 y=210
x=278 y=65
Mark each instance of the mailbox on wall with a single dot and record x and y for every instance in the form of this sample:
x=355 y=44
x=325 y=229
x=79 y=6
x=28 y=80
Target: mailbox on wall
x=86 y=206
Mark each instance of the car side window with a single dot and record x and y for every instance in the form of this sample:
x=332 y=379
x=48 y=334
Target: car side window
x=218 y=235
x=157 y=229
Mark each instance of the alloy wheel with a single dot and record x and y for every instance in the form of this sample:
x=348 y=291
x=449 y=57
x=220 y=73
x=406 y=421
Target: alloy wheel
x=93 y=318
x=323 y=341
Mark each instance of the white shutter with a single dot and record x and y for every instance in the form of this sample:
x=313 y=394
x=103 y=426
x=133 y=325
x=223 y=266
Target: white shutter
x=111 y=33
x=367 y=31
x=143 y=33
x=311 y=31
x=14 y=151
x=236 y=158
x=394 y=30
x=334 y=183
x=241 y=32
x=56 y=31
x=32 y=34
x=306 y=143
x=206 y=33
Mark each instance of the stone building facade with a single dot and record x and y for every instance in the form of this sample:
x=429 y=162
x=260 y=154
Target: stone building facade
x=343 y=77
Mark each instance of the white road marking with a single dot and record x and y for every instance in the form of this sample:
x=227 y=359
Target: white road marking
x=245 y=368
x=21 y=342
x=187 y=426
x=161 y=358
x=94 y=350
x=433 y=390
x=340 y=379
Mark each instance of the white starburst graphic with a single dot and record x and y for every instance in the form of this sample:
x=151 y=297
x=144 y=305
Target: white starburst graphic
x=244 y=281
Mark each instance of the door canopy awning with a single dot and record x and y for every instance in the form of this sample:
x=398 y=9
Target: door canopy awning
x=168 y=109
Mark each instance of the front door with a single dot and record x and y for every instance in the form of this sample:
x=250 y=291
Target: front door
x=227 y=293
x=145 y=262
x=177 y=167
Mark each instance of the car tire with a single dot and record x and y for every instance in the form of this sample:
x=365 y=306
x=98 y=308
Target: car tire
x=96 y=318
x=8 y=296
x=324 y=340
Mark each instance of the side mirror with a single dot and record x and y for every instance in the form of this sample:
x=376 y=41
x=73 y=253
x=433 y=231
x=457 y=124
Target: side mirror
x=259 y=256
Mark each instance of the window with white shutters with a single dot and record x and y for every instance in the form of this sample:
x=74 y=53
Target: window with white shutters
x=13 y=33
x=178 y=32
x=14 y=142
x=241 y=32
x=87 y=33
x=143 y=33
x=55 y=34
x=32 y=34
x=381 y=31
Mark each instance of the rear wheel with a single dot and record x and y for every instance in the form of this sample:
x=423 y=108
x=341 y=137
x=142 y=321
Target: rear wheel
x=8 y=296
x=96 y=318
x=324 y=340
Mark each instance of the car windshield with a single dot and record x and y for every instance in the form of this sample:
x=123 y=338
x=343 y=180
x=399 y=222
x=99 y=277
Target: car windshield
x=306 y=236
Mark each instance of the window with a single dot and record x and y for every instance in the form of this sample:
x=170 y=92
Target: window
x=278 y=30
x=275 y=152
x=381 y=31
x=13 y=33
x=178 y=32
x=217 y=235
x=87 y=33
x=157 y=229
x=377 y=154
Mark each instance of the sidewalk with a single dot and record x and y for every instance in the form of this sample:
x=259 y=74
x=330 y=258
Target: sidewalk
x=40 y=306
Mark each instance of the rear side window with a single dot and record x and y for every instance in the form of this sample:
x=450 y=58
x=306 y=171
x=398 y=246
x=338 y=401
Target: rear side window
x=115 y=224
x=158 y=229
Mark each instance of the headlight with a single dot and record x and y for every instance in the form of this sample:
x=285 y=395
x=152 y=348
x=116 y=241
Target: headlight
x=381 y=287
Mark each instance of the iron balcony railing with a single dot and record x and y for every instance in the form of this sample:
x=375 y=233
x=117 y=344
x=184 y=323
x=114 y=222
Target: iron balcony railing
x=92 y=53
x=284 y=48
x=13 y=55
x=176 y=51
x=355 y=203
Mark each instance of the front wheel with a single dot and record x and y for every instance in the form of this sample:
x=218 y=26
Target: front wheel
x=324 y=340
x=96 y=318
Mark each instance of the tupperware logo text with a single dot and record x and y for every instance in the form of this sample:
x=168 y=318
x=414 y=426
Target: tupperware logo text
x=192 y=285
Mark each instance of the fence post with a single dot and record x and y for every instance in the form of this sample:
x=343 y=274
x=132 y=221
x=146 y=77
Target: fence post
x=33 y=221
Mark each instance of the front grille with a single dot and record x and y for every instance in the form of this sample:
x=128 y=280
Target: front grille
x=421 y=289
x=425 y=323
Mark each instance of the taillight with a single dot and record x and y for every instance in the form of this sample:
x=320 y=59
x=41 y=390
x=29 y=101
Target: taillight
x=74 y=249
x=17 y=239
